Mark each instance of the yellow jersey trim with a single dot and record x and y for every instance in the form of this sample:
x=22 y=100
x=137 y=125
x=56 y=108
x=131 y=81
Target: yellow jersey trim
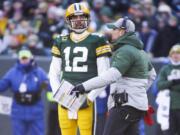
x=103 y=49
x=79 y=37
x=55 y=50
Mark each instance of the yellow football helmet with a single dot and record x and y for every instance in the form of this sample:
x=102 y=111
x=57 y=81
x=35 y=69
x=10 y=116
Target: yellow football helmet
x=78 y=17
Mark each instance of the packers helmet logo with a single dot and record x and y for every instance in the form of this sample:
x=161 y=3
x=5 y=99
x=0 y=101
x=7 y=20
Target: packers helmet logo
x=77 y=8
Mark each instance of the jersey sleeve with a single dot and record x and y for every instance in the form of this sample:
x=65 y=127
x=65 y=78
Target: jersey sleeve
x=103 y=48
x=56 y=48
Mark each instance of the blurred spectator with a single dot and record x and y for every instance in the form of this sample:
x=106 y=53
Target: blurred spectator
x=118 y=5
x=59 y=18
x=95 y=13
x=69 y=2
x=98 y=4
x=18 y=34
x=4 y=41
x=7 y=9
x=35 y=45
x=106 y=15
x=29 y=8
x=7 y=40
x=48 y=27
x=147 y=35
x=164 y=13
x=3 y=23
x=17 y=11
x=135 y=12
x=176 y=7
x=42 y=9
x=168 y=35
x=149 y=11
x=58 y=3
x=46 y=18
x=36 y=22
x=169 y=80
x=26 y=80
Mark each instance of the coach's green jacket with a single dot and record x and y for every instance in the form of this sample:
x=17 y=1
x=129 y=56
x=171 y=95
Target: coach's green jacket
x=134 y=65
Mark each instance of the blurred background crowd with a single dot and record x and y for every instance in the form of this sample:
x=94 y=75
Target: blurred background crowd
x=33 y=23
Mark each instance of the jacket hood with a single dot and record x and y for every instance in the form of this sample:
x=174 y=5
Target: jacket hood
x=129 y=38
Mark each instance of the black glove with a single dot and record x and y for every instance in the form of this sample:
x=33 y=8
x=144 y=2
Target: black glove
x=78 y=89
x=176 y=82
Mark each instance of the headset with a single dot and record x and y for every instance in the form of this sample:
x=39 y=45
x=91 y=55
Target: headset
x=123 y=26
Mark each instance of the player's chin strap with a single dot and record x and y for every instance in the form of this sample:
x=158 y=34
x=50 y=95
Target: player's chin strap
x=79 y=31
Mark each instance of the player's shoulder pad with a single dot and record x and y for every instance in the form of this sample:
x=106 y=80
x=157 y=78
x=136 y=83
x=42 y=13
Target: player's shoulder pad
x=99 y=37
x=95 y=34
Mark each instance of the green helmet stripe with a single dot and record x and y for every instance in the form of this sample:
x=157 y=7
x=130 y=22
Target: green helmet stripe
x=75 y=7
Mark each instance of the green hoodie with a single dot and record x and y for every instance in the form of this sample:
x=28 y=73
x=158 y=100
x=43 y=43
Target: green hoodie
x=129 y=58
x=129 y=38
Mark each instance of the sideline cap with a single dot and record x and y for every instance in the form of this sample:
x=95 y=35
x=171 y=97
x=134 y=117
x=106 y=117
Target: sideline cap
x=123 y=23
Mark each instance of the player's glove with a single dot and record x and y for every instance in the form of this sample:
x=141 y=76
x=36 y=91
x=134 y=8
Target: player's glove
x=78 y=89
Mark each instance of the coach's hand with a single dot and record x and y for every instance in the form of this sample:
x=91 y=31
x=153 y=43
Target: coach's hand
x=78 y=89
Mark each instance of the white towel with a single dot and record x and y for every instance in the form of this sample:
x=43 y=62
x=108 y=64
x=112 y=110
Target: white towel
x=163 y=101
x=72 y=115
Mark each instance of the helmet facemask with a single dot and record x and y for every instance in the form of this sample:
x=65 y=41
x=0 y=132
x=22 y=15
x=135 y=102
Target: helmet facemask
x=78 y=23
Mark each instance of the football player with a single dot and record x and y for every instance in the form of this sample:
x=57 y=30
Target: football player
x=79 y=55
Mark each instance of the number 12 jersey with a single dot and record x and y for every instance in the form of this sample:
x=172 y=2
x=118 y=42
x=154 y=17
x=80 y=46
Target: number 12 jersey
x=79 y=58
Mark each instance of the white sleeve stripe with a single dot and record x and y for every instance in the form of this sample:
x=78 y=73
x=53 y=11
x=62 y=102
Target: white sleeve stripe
x=103 y=63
